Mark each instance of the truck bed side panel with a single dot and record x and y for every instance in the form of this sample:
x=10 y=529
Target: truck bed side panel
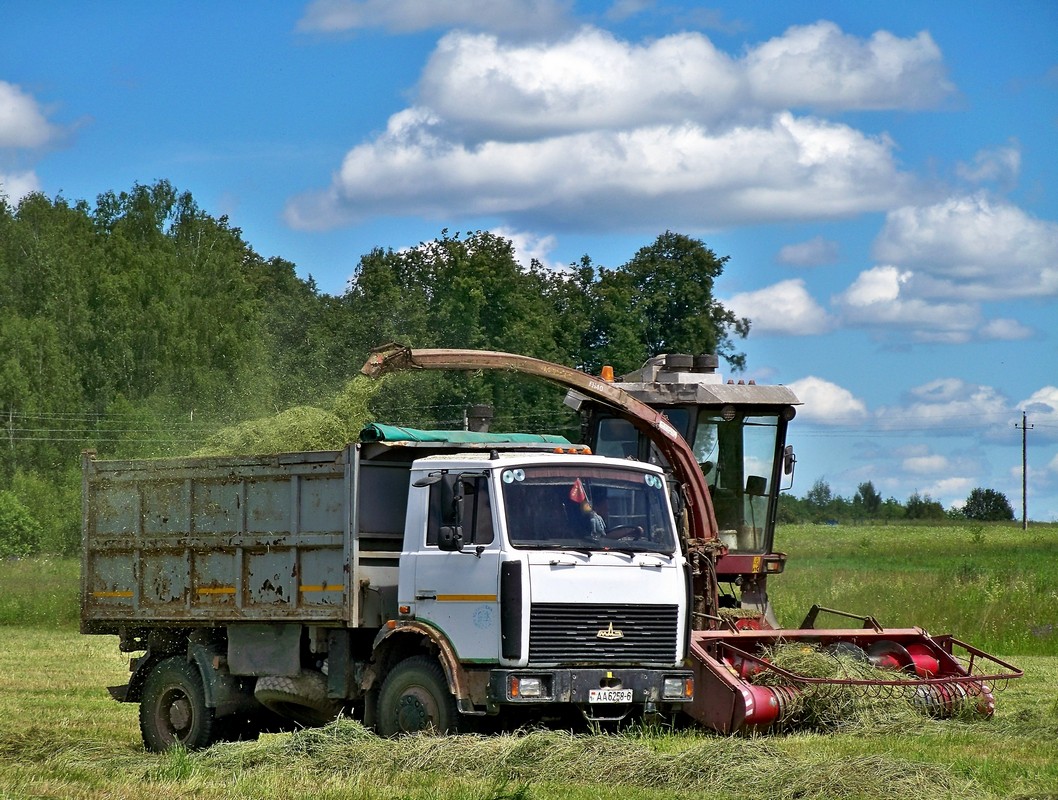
x=219 y=540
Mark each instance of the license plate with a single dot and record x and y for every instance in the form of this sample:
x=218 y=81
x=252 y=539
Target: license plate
x=609 y=695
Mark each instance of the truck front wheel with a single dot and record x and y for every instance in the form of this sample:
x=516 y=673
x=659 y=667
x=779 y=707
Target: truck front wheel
x=414 y=698
x=173 y=707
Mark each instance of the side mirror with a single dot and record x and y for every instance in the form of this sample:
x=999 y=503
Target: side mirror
x=676 y=500
x=450 y=538
x=789 y=462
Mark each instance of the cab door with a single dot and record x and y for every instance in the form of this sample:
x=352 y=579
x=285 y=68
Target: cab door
x=457 y=590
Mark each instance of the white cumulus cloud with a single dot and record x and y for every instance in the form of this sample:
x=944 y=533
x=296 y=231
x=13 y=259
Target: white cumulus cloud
x=529 y=247
x=23 y=122
x=590 y=81
x=879 y=299
x=1008 y=330
x=647 y=177
x=999 y=165
x=785 y=308
x=972 y=248
x=925 y=465
x=949 y=406
x=603 y=133
x=950 y=490
x=827 y=403
x=822 y=67
x=15 y=186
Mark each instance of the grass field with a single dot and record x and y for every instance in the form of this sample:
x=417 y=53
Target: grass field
x=61 y=736
x=995 y=586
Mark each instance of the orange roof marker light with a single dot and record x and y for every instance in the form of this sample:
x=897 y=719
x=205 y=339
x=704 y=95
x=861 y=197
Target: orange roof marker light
x=607 y=373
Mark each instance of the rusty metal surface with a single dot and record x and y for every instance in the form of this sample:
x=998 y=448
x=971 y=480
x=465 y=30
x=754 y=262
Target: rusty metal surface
x=959 y=662
x=216 y=540
x=725 y=661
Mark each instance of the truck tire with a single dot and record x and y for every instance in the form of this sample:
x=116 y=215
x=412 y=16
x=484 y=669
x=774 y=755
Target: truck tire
x=173 y=709
x=414 y=698
x=301 y=698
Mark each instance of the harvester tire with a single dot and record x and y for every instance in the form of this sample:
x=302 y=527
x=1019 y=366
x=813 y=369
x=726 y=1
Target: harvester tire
x=301 y=698
x=173 y=710
x=415 y=698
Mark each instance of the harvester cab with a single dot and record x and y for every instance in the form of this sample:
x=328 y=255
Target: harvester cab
x=737 y=431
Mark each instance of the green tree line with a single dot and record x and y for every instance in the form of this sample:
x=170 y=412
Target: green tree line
x=142 y=326
x=821 y=505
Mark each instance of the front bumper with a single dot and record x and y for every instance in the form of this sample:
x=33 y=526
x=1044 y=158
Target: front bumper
x=654 y=690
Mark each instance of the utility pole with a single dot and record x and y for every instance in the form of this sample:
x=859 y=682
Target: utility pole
x=1025 y=428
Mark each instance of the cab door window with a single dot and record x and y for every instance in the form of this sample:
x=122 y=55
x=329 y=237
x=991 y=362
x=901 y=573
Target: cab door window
x=460 y=500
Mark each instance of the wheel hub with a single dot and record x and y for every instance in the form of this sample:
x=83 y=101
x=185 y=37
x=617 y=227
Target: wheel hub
x=179 y=715
x=412 y=714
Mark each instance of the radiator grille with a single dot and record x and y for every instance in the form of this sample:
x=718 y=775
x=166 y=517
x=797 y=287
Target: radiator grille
x=561 y=632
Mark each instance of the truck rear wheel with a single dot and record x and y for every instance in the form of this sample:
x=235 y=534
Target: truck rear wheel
x=414 y=698
x=173 y=707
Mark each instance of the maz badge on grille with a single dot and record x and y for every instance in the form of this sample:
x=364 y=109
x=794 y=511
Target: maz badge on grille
x=610 y=633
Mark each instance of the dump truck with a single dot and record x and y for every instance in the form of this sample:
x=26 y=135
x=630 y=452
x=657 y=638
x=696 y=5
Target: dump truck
x=416 y=580
x=428 y=580
x=722 y=445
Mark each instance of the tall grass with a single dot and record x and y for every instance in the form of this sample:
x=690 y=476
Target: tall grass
x=61 y=736
x=41 y=591
x=994 y=586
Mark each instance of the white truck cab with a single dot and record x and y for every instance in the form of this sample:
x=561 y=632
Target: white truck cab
x=559 y=575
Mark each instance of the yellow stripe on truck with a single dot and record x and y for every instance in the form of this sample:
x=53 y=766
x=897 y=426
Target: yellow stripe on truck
x=466 y=598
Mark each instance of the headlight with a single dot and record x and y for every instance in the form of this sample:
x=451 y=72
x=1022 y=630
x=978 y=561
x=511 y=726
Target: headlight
x=528 y=686
x=679 y=687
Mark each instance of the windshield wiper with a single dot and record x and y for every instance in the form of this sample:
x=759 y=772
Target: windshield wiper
x=587 y=551
x=584 y=551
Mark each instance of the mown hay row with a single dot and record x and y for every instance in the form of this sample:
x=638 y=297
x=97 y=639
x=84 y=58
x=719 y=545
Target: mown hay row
x=725 y=766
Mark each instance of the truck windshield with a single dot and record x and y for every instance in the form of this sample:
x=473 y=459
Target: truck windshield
x=593 y=508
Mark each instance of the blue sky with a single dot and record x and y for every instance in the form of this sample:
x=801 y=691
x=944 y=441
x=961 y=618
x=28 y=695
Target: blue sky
x=881 y=175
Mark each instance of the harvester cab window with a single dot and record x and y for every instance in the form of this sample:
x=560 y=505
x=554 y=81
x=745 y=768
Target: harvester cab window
x=460 y=500
x=617 y=439
x=737 y=456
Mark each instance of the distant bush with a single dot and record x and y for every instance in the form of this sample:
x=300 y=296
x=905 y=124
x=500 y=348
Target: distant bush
x=56 y=507
x=988 y=505
x=19 y=531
